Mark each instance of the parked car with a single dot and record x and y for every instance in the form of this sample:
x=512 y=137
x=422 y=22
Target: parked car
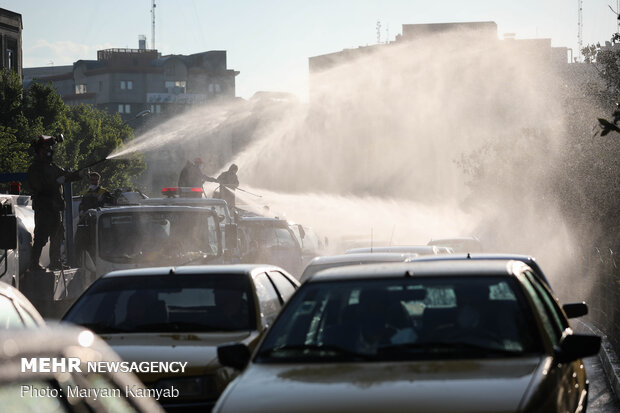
x=331 y=261
x=16 y=311
x=269 y=241
x=46 y=390
x=426 y=336
x=182 y=314
x=459 y=244
x=403 y=249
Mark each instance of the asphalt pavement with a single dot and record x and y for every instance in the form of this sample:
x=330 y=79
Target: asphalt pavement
x=603 y=373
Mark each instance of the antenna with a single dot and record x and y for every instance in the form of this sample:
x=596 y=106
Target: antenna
x=378 y=32
x=153 y=5
x=580 y=25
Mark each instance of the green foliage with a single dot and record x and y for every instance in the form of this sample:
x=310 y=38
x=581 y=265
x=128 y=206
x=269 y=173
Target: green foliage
x=90 y=134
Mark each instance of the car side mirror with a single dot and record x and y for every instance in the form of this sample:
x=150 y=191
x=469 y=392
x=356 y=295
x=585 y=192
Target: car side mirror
x=235 y=355
x=576 y=346
x=8 y=233
x=574 y=310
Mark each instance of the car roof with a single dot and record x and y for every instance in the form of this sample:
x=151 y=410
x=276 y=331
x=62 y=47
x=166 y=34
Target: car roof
x=434 y=241
x=245 y=220
x=232 y=269
x=429 y=249
x=153 y=208
x=361 y=257
x=527 y=259
x=415 y=269
x=184 y=201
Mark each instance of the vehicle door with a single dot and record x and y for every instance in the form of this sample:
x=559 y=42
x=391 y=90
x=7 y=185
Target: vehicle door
x=269 y=301
x=287 y=252
x=566 y=381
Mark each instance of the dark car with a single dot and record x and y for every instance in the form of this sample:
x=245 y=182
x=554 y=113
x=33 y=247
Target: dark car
x=269 y=241
x=526 y=259
x=182 y=314
x=441 y=336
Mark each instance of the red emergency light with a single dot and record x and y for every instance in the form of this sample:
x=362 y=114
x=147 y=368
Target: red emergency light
x=175 y=192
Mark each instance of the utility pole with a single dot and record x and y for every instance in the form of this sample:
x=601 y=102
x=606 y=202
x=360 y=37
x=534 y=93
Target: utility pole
x=580 y=25
x=153 y=5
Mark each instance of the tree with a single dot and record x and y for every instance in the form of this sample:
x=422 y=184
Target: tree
x=90 y=134
x=605 y=59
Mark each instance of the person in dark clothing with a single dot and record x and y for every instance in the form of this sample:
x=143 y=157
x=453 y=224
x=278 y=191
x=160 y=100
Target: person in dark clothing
x=96 y=196
x=192 y=176
x=45 y=180
x=228 y=183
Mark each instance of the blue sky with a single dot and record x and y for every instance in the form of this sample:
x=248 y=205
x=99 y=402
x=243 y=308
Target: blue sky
x=269 y=41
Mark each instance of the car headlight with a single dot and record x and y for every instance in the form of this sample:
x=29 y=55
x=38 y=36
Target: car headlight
x=202 y=387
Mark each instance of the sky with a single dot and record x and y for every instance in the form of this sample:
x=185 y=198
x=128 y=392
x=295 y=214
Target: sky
x=269 y=41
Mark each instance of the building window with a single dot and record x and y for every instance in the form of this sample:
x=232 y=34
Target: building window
x=217 y=88
x=130 y=85
x=121 y=108
x=80 y=89
x=100 y=85
x=176 y=86
x=126 y=84
x=123 y=85
x=127 y=108
x=214 y=88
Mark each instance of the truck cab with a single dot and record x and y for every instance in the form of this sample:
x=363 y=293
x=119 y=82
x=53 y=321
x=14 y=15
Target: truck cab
x=134 y=236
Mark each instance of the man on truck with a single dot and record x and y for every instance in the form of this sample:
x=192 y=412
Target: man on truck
x=45 y=180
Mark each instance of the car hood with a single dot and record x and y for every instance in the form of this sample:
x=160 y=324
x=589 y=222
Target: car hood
x=496 y=385
x=199 y=350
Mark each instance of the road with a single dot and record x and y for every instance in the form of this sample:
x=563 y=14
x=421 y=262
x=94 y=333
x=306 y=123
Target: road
x=602 y=398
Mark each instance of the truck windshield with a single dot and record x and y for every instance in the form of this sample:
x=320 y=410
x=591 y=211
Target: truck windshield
x=153 y=236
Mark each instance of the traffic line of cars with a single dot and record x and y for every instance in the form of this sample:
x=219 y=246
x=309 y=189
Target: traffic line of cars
x=364 y=331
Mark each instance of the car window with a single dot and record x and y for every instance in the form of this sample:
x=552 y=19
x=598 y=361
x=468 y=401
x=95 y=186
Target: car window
x=285 y=238
x=9 y=316
x=284 y=286
x=268 y=299
x=311 y=241
x=403 y=319
x=553 y=310
x=549 y=324
x=179 y=303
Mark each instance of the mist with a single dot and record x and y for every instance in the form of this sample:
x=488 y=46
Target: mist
x=383 y=149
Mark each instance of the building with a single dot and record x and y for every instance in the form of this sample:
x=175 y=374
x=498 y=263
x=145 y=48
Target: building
x=11 y=41
x=131 y=81
x=480 y=33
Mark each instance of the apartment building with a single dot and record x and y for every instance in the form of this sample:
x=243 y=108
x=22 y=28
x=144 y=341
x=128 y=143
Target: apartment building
x=131 y=81
x=11 y=41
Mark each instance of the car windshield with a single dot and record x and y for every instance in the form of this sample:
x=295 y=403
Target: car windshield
x=157 y=237
x=403 y=319
x=170 y=303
